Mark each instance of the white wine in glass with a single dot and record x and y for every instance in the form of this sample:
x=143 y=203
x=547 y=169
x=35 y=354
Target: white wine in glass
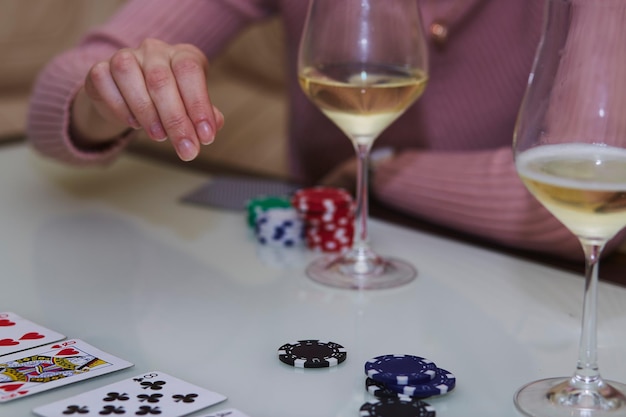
x=570 y=152
x=362 y=63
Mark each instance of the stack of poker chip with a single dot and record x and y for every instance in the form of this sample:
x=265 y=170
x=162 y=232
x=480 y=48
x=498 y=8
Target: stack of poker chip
x=275 y=222
x=328 y=217
x=404 y=379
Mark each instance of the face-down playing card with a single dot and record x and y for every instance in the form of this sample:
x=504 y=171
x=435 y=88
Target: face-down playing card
x=233 y=192
x=18 y=333
x=151 y=393
x=51 y=366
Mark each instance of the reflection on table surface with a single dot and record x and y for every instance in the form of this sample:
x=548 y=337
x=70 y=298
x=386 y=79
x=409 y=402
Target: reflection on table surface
x=112 y=257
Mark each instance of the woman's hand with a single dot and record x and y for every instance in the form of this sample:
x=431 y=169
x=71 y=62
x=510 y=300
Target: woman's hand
x=158 y=87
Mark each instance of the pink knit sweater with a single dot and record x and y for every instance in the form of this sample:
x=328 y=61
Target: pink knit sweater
x=454 y=161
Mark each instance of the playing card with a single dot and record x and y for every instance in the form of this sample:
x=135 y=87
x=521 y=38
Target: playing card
x=233 y=193
x=51 y=366
x=231 y=412
x=151 y=393
x=17 y=333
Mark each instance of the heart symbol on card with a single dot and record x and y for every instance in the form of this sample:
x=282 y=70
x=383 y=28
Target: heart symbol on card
x=8 y=342
x=10 y=387
x=32 y=336
x=6 y=322
x=68 y=351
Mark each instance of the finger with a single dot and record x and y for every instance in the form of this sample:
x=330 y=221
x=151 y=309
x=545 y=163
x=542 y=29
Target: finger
x=103 y=92
x=190 y=70
x=163 y=89
x=219 y=118
x=128 y=76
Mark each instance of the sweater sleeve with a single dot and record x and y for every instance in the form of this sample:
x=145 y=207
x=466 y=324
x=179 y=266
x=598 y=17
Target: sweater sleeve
x=476 y=192
x=206 y=24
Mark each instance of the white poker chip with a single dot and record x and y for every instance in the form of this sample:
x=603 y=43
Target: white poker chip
x=279 y=227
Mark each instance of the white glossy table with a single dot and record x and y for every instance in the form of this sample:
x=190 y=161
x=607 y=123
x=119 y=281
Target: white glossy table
x=112 y=257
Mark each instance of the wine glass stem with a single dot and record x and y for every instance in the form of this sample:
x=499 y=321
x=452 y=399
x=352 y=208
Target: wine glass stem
x=360 y=241
x=587 y=368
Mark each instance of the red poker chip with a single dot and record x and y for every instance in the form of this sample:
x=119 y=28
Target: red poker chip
x=321 y=199
x=329 y=246
x=336 y=243
x=343 y=211
x=330 y=230
x=330 y=241
x=316 y=239
x=329 y=225
x=322 y=206
x=327 y=217
x=330 y=233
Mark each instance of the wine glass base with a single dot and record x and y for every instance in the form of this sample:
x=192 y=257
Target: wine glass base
x=554 y=397
x=341 y=271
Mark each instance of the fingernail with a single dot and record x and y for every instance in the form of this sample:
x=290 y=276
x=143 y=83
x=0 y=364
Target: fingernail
x=157 y=132
x=205 y=133
x=186 y=150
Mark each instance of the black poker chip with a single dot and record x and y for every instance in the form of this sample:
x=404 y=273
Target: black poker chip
x=401 y=406
x=378 y=389
x=312 y=354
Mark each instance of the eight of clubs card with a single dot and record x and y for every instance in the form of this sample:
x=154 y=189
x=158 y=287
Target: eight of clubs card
x=51 y=366
x=151 y=393
x=17 y=334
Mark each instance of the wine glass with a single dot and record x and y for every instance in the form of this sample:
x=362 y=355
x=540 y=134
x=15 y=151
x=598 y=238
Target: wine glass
x=362 y=63
x=570 y=152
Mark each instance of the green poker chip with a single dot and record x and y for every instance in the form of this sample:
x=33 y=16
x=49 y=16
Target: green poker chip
x=258 y=205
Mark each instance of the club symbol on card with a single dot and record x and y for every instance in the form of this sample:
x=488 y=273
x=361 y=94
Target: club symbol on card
x=116 y=396
x=145 y=410
x=150 y=398
x=155 y=386
x=108 y=410
x=189 y=398
x=76 y=409
x=6 y=322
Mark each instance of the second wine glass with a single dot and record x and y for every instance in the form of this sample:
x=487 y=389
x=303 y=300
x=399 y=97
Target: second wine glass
x=362 y=63
x=570 y=152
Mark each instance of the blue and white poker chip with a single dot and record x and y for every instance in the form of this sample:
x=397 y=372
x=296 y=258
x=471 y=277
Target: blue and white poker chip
x=400 y=369
x=442 y=383
x=279 y=227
